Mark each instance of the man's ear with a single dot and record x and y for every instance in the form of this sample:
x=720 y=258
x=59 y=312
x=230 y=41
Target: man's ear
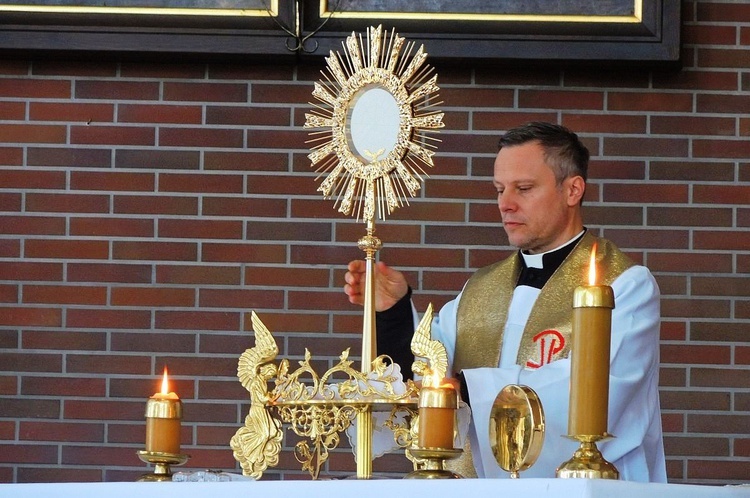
x=576 y=190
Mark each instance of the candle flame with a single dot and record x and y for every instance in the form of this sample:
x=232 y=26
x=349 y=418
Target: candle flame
x=165 y=382
x=592 y=266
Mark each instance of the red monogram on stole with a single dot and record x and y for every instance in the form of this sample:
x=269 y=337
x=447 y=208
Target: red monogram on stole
x=550 y=343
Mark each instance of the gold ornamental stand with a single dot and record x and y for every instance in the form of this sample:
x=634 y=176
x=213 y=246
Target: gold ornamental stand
x=371 y=122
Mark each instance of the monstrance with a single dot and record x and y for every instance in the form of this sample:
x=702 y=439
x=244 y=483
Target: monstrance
x=373 y=119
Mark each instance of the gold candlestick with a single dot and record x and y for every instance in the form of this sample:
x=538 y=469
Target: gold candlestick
x=589 y=379
x=163 y=427
x=437 y=429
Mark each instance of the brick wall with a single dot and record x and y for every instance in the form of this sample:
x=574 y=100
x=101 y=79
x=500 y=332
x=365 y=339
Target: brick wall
x=146 y=209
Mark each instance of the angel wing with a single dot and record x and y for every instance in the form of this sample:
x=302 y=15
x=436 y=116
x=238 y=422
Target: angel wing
x=434 y=351
x=265 y=350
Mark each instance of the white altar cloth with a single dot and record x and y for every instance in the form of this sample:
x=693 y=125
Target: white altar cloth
x=376 y=488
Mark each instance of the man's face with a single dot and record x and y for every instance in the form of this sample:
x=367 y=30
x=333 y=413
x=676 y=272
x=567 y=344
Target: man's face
x=537 y=213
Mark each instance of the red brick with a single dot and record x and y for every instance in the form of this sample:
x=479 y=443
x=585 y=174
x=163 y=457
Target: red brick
x=67 y=249
x=109 y=272
x=30 y=316
x=200 y=229
x=160 y=251
x=197 y=320
x=696 y=79
x=695 y=308
x=55 y=474
x=117 y=90
x=112 y=181
x=200 y=137
x=324 y=254
x=561 y=99
x=215 y=435
x=11 y=156
x=208 y=275
x=107 y=318
x=233 y=206
x=66 y=203
x=12 y=111
x=697 y=262
x=152 y=296
x=248 y=116
x=115 y=227
x=733 y=331
x=686 y=216
x=66 y=67
x=672 y=377
x=463 y=235
x=241 y=298
x=720 y=240
x=94 y=455
x=30 y=179
x=29 y=407
x=390 y=233
x=646 y=146
x=692 y=171
x=245 y=161
x=722 y=194
x=27 y=453
x=241 y=253
x=157 y=159
x=30 y=88
x=204 y=367
x=203 y=183
x=282 y=276
x=153 y=342
x=80 y=157
x=58 y=294
x=451 y=189
x=604 y=123
x=64 y=340
x=157 y=204
x=26 y=133
x=688 y=125
x=662 y=239
x=205 y=92
x=696 y=446
x=60 y=386
x=139 y=113
x=33 y=225
x=272 y=230
x=276 y=139
x=717 y=378
x=65 y=111
x=107 y=363
x=10 y=248
x=695 y=355
x=233 y=344
x=672 y=331
x=113 y=135
x=19 y=270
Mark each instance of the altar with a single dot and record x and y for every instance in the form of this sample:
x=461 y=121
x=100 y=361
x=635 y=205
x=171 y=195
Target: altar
x=377 y=488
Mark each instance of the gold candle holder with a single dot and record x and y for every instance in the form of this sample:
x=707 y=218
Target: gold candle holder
x=589 y=379
x=163 y=433
x=587 y=462
x=437 y=429
x=162 y=463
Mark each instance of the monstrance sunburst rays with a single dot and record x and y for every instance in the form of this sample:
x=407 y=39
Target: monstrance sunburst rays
x=366 y=184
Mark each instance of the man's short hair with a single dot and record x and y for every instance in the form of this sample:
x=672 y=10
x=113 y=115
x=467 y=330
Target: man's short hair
x=563 y=150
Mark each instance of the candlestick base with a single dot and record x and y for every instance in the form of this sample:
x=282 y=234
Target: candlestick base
x=587 y=462
x=433 y=466
x=161 y=462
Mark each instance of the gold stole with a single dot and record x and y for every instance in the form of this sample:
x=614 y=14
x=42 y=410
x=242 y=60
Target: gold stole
x=483 y=311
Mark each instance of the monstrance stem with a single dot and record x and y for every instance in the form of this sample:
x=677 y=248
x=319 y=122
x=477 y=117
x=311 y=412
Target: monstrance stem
x=370 y=245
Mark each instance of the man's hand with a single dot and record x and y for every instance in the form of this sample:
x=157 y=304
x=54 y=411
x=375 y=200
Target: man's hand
x=390 y=284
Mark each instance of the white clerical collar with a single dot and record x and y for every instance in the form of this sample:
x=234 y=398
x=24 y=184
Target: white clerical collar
x=537 y=260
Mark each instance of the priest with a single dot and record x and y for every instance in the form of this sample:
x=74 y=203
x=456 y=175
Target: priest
x=511 y=323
